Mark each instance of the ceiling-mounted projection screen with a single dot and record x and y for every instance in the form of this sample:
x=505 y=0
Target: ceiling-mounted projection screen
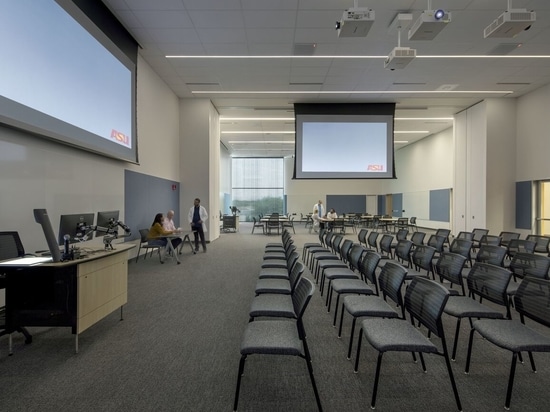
x=344 y=141
x=63 y=78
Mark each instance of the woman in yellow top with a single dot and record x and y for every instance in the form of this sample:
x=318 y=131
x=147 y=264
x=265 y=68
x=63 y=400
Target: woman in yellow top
x=156 y=233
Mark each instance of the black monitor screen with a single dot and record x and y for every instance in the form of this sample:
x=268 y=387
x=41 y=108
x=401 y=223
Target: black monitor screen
x=105 y=220
x=75 y=227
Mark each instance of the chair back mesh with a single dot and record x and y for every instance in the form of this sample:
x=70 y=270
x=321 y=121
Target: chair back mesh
x=449 y=266
x=524 y=264
x=422 y=257
x=385 y=244
x=490 y=282
x=520 y=246
x=391 y=281
x=492 y=254
x=10 y=245
x=295 y=274
x=418 y=238
x=478 y=234
x=532 y=299
x=505 y=237
x=436 y=242
x=425 y=301
x=465 y=235
x=371 y=241
x=402 y=234
x=541 y=243
x=362 y=236
x=403 y=250
x=355 y=256
x=345 y=249
x=301 y=296
x=292 y=259
x=336 y=243
x=144 y=233
x=368 y=266
x=461 y=247
x=444 y=233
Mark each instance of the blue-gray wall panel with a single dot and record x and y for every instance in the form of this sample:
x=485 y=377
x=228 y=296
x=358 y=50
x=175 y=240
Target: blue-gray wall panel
x=440 y=205
x=524 y=205
x=347 y=203
x=397 y=204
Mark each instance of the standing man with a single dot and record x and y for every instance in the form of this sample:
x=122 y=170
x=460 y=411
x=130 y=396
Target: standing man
x=197 y=216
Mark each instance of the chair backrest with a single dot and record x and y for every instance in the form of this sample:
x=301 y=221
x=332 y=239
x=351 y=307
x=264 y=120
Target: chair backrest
x=412 y=220
x=345 y=249
x=328 y=239
x=530 y=264
x=422 y=257
x=291 y=260
x=436 y=242
x=465 y=235
x=385 y=244
x=505 y=237
x=541 y=243
x=490 y=240
x=462 y=247
x=355 y=255
x=531 y=300
x=479 y=233
x=336 y=243
x=425 y=301
x=520 y=246
x=295 y=274
x=391 y=281
x=402 y=234
x=418 y=238
x=371 y=240
x=490 y=282
x=302 y=295
x=11 y=245
x=492 y=254
x=443 y=233
x=362 y=236
x=368 y=265
x=403 y=250
x=338 y=223
x=449 y=266
x=144 y=233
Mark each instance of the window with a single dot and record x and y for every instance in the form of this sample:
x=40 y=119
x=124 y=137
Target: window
x=257 y=186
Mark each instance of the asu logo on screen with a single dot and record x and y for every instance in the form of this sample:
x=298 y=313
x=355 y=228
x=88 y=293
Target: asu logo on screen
x=120 y=138
x=375 y=168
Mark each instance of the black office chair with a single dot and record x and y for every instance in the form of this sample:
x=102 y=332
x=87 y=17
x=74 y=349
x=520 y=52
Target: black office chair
x=10 y=247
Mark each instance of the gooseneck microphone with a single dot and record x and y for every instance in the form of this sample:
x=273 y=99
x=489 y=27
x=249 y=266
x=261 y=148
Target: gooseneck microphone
x=66 y=252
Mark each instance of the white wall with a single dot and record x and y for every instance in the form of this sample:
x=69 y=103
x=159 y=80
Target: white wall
x=37 y=173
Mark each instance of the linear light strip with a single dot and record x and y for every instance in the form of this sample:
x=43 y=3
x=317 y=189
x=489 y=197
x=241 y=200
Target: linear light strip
x=356 y=92
x=292 y=118
x=449 y=56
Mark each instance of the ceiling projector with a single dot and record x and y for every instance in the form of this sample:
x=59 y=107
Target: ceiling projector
x=429 y=24
x=356 y=22
x=510 y=23
x=399 y=58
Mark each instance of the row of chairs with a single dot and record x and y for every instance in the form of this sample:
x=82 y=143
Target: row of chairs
x=282 y=295
x=485 y=281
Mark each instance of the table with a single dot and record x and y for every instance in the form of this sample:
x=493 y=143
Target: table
x=385 y=221
x=266 y=219
x=76 y=293
x=169 y=248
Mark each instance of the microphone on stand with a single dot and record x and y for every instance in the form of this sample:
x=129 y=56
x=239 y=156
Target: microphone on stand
x=66 y=251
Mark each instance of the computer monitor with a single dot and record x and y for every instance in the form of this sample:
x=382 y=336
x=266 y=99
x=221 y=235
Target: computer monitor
x=41 y=216
x=74 y=226
x=104 y=220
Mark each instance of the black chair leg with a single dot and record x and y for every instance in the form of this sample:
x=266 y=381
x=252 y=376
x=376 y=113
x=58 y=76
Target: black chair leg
x=239 y=376
x=376 y=380
x=511 y=380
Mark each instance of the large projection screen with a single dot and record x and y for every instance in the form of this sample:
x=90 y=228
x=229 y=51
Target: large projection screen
x=344 y=141
x=63 y=78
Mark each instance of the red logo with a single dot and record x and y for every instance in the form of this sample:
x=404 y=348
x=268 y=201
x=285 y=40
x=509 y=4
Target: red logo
x=120 y=137
x=375 y=168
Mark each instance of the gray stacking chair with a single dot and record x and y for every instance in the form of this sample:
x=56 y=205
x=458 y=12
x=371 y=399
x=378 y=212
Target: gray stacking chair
x=349 y=272
x=541 y=243
x=343 y=253
x=449 y=267
x=505 y=237
x=531 y=302
x=484 y=282
x=279 y=285
x=421 y=259
x=527 y=264
x=520 y=246
x=280 y=337
x=391 y=281
x=278 y=272
x=424 y=300
x=362 y=236
x=371 y=240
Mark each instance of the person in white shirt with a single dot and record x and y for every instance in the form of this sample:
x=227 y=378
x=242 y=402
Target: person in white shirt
x=168 y=223
x=332 y=214
x=315 y=218
x=319 y=207
x=196 y=217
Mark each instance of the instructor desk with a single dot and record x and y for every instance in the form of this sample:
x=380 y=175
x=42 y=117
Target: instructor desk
x=76 y=293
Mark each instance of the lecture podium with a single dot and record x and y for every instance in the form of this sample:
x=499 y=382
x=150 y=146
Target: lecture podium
x=76 y=293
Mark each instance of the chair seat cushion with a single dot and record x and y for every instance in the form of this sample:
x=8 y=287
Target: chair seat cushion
x=271 y=337
x=274 y=255
x=274 y=273
x=466 y=307
x=330 y=263
x=275 y=263
x=351 y=286
x=340 y=273
x=512 y=288
x=512 y=335
x=272 y=305
x=369 y=306
x=269 y=285
x=396 y=335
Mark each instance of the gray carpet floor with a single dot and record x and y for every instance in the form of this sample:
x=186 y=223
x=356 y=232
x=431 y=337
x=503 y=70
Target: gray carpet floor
x=177 y=349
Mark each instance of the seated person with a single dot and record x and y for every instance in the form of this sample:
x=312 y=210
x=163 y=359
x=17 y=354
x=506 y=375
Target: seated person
x=331 y=216
x=316 y=222
x=157 y=231
x=168 y=223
